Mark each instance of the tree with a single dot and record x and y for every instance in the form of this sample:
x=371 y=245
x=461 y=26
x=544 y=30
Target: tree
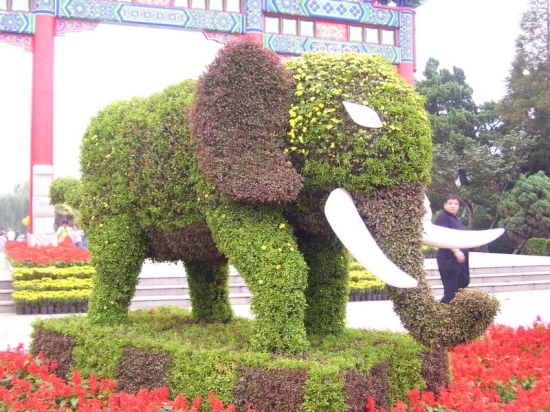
x=65 y=195
x=65 y=190
x=526 y=105
x=452 y=115
x=476 y=157
x=14 y=207
x=525 y=209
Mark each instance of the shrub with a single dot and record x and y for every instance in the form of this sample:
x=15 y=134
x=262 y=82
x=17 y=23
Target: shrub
x=537 y=247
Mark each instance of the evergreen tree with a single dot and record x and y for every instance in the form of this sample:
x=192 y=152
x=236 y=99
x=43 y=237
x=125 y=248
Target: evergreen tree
x=526 y=209
x=526 y=105
x=476 y=157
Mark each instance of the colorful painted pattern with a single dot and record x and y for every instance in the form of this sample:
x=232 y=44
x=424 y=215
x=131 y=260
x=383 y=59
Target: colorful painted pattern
x=16 y=22
x=298 y=45
x=328 y=36
x=21 y=40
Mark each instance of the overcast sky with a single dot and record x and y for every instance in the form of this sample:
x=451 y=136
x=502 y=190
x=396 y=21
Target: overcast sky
x=94 y=68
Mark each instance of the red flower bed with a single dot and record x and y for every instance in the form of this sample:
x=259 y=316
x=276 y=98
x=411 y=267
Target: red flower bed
x=29 y=384
x=66 y=254
x=507 y=370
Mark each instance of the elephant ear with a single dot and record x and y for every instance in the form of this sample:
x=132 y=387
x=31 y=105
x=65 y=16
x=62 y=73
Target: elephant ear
x=239 y=120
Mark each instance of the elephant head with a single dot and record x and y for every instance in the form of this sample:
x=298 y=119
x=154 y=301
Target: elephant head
x=284 y=136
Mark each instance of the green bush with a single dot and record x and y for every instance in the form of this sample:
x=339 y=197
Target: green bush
x=336 y=374
x=537 y=247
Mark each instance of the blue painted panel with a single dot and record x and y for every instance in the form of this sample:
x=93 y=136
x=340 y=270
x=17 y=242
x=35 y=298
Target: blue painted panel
x=16 y=22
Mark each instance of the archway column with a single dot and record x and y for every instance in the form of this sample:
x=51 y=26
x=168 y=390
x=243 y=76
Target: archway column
x=42 y=110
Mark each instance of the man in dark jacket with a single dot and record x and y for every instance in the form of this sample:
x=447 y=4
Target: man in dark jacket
x=453 y=263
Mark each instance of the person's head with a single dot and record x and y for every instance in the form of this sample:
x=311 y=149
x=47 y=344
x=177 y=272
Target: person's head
x=452 y=204
x=65 y=223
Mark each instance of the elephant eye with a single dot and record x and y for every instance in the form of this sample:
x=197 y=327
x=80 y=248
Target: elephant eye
x=363 y=115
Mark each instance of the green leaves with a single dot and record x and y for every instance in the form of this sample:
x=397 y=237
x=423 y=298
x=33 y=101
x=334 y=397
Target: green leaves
x=329 y=149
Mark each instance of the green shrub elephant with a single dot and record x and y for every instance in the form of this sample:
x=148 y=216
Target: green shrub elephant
x=236 y=168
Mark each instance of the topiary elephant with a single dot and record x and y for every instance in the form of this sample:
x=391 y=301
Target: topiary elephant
x=238 y=168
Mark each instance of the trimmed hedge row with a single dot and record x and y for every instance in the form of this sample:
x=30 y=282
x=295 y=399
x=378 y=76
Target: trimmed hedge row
x=337 y=374
x=51 y=289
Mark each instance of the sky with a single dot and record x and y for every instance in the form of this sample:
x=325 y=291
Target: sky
x=95 y=68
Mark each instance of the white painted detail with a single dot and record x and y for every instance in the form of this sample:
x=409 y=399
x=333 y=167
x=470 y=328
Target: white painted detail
x=43 y=213
x=363 y=115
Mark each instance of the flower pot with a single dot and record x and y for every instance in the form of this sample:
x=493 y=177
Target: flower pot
x=50 y=310
x=369 y=296
x=64 y=309
x=19 y=311
x=43 y=310
x=85 y=309
x=28 y=311
x=35 y=311
x=72 y=309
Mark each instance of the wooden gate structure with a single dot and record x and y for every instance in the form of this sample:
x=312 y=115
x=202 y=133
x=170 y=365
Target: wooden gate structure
x=288 y=27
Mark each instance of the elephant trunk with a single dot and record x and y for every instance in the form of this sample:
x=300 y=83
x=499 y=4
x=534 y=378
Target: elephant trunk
x=394 y=218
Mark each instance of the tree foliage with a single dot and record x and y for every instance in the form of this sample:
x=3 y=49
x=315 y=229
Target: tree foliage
x=65 y=190
x=525 y=209
x=526 y=105
x=14 y=207
x=476 y=157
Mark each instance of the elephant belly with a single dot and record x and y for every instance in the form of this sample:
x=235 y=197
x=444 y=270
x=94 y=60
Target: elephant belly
x=192 y=243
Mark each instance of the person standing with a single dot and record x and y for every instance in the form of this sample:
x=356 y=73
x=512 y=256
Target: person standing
x=3 y=241
x=76 y=236
x=63 y=232
x=453 y=264
x=10 y=235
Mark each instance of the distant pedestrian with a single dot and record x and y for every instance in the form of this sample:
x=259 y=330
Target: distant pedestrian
x=76 y=235
x=453 y=264
x=11 y=235
x=63 y=232
x=3 y=242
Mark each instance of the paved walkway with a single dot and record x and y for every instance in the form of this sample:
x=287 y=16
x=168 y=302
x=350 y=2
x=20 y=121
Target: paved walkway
x=517 y=308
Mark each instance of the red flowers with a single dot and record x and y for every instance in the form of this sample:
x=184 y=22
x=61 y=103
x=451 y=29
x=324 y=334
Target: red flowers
x=66 y=254
x=27 y=383
x=506 y=370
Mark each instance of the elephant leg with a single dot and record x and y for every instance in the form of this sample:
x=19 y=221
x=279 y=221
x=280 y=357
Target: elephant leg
x=398 y=213
x=260 y=244
x=208 y=284
x=327 y=290
x=118 y=249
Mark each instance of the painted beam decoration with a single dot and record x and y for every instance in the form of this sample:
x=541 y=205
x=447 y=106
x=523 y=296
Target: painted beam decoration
x=289 y=27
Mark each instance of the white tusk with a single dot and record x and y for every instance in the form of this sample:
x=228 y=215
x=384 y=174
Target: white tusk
x=446 y=238
x=345 y=221
x=443 y=237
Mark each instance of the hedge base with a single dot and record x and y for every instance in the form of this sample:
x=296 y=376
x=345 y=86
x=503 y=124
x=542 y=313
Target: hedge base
x=164 y=347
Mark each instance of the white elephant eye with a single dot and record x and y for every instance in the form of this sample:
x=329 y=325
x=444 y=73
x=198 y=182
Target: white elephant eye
x=363 y=115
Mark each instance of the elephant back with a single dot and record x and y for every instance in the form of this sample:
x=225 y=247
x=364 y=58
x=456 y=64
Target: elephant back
x=137 y=157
